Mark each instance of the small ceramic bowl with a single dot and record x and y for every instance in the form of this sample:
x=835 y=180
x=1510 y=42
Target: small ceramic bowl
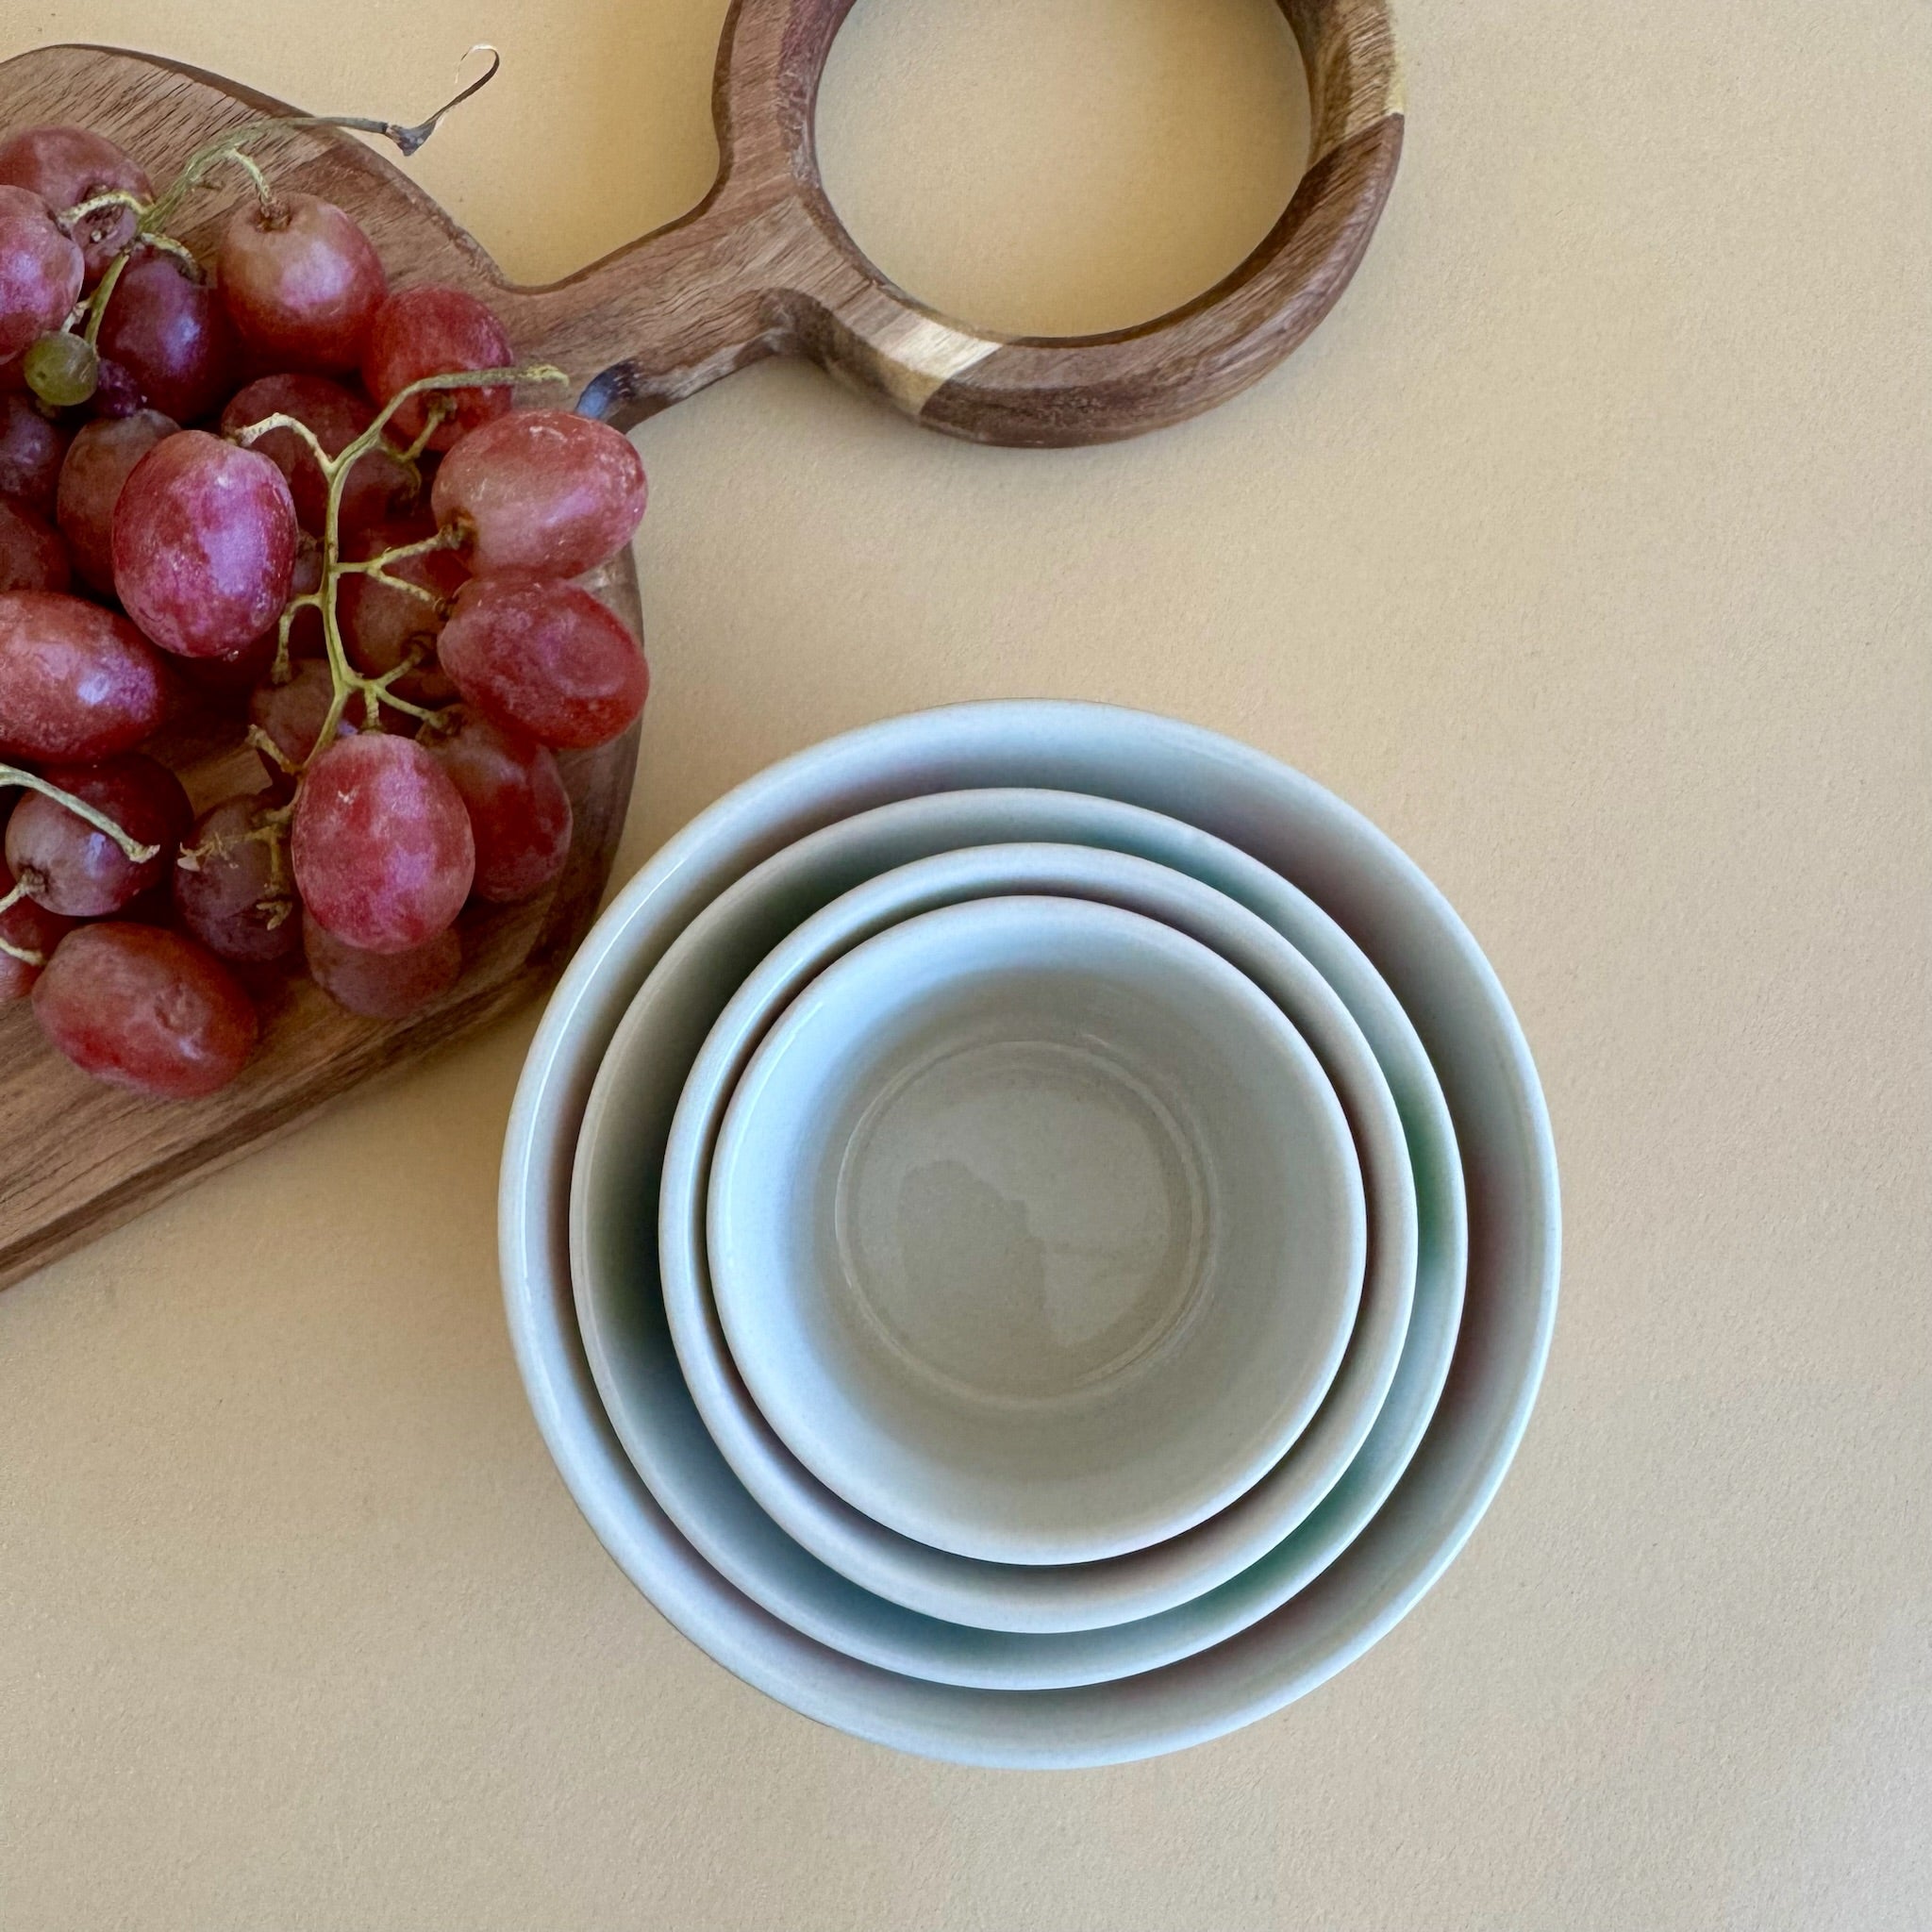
x=1036 y=1230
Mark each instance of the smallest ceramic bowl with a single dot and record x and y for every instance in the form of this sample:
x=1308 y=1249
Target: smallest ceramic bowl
x=1036 y=1230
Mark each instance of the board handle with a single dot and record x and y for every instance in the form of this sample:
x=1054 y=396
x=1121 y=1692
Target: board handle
x=764 y=266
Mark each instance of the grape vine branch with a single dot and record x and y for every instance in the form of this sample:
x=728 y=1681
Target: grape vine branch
x=63 y=367
x=67 y=367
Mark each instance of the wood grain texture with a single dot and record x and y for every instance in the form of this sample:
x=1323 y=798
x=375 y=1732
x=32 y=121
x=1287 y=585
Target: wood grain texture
x=76 y=1156
x=764 y=266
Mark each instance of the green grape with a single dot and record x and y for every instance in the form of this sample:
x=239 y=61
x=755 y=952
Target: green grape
x=61 y=370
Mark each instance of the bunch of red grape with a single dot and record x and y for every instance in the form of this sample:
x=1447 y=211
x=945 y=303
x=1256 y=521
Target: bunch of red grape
x=271 y=484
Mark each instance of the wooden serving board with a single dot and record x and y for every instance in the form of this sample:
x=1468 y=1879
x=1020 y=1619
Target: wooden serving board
x=77 y=1156
x=761 y=267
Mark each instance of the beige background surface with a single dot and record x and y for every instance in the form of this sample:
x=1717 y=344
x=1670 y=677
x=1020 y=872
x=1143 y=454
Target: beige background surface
x=1586 y=548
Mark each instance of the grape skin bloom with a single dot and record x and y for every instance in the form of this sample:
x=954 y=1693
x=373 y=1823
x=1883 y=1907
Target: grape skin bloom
x=383 y=852
x=140 y=1007
x=204 y=544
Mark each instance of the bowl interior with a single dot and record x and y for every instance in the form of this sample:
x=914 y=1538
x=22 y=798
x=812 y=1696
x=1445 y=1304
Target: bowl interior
x=1036 y=1230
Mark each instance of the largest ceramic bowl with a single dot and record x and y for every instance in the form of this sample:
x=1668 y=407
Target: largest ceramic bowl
x=1435 y=968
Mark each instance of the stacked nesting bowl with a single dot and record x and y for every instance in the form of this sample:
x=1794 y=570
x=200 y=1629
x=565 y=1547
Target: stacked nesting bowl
x=1031 y=1233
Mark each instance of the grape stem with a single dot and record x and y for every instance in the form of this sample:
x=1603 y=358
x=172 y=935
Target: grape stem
x=376 y=568
x=151 y=217
x=275 y=210
x=311 y=600
x=27 y=956
x=407 y=139
x=136 y=853
x=95 y=204
x=202 y=163
x=270 y=829
x=438 y=412
x=179 y=250
x=261 y=427
x=382 y=686
x=97 y=304
x=346 y=681
x=259 y=739
x=231 y=144
x=443 y=540
x=373 y=571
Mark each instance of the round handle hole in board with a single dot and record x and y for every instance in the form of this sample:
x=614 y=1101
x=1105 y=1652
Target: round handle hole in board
x=1061 y=167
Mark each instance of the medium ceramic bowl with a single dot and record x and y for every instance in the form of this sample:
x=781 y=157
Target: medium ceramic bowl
x=614 y=1235
x=1433 y=967
x=616 y=1280
x=1036 y=1230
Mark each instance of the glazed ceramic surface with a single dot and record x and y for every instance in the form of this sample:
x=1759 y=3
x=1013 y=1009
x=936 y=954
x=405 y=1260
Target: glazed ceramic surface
x=1430 y=963
x=1036 y=1230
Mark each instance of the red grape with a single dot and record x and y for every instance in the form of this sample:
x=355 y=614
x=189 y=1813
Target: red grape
x=227 y=890
x=98 y=461
x=519 y=810
x=234 y=677
x=172 y=335
x=143 y=1008
x=303 y=288
x=66 y=166
x=32 y=556
x=32 y=448
x=75 y=681
x=546 y=658
x=41 y=270
x=434 y=331
x=540 y=491
x=116 y=393
x=292 y=714
x=69 y=866
x=28 y=929
x=377 y=486
x=231 y=681
x=204 y=544
x=380 y=624
x=381 y=986
x=384 y=855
